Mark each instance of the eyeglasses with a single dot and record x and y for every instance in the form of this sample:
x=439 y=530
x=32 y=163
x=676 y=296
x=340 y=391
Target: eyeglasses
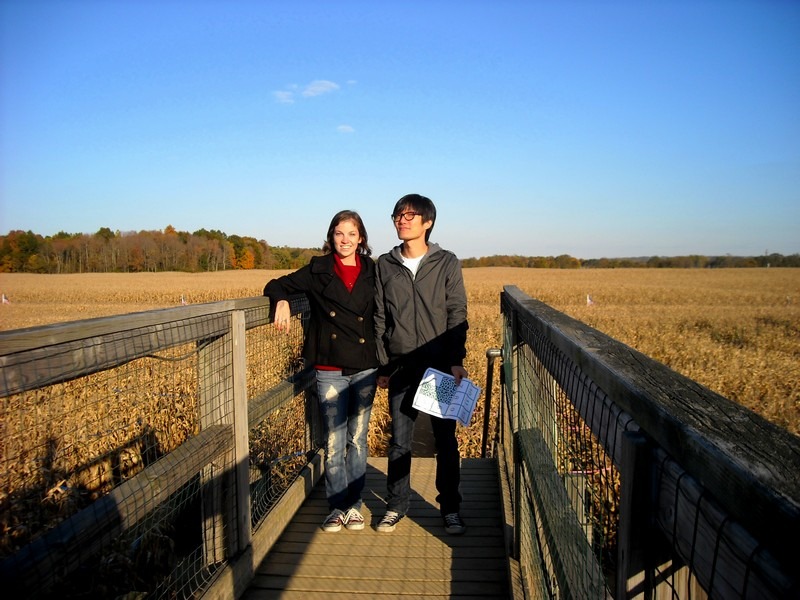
x=408 y=216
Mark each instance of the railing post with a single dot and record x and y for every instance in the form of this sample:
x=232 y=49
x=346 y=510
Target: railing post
x=635 y=533
x=513 y=395
x=223 y=400
x=491 y=355
x=213 y=399
x=241 y=430
x=514 y=372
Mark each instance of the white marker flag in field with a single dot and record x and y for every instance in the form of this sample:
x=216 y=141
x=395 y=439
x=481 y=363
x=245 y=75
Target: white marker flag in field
x=438 y=395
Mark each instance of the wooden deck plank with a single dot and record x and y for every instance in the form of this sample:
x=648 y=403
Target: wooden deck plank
x=315 y=560
x=420 y=571
x=330 y=595
x=417 y=560
x=376 y=586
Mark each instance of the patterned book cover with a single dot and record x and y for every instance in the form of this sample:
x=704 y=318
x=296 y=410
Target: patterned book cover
x=438 y=395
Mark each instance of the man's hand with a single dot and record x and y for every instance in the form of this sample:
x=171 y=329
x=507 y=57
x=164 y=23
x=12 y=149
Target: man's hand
x=383 y=382
x=458 y=372
x=283 y=315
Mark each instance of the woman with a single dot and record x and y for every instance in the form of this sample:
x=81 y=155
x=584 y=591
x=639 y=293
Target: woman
x=340 y=343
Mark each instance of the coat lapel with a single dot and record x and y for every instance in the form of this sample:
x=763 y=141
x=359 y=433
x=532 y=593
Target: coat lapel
x=335 y=291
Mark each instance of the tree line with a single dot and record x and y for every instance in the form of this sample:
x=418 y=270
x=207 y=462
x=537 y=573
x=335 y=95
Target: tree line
x=693 y=261
x=109 y=251
x=145 y=251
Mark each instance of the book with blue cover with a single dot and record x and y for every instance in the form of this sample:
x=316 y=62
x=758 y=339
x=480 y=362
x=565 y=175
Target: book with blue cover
x=438 y=395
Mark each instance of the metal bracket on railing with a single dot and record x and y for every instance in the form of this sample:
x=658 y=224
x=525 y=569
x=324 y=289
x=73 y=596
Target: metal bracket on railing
x=492 y=354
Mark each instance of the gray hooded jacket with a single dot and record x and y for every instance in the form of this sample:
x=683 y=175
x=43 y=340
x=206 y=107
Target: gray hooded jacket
x=421 y=319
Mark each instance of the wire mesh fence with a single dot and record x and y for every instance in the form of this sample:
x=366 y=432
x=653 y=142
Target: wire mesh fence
x=116 y=467
x=572 y=484
x=631 y=480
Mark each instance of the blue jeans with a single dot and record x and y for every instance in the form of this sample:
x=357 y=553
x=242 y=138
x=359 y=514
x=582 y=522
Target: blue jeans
x=345 y=403
x=402 y=387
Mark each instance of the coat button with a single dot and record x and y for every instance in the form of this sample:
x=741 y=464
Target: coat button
x=333 y=336
x=332 y=313
x=360 y=319
x=361 y=340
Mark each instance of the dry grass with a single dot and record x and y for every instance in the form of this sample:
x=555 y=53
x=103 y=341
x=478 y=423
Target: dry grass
x=42 y=299
x=736 y=331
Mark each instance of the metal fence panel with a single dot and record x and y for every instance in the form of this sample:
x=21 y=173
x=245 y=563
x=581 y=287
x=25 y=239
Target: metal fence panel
x=116 y=463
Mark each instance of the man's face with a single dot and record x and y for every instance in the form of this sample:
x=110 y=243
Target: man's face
x=409 y=225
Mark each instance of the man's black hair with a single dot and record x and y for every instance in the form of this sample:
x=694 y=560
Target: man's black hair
x=418 y=204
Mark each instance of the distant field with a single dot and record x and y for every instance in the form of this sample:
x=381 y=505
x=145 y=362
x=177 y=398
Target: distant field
x=736 y=331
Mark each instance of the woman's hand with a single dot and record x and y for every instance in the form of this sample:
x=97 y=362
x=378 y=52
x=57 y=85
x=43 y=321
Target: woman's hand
x=283 y=315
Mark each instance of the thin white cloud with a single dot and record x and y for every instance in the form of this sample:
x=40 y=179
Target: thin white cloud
x=319 y=87
x=345 y=129
x=284 y=97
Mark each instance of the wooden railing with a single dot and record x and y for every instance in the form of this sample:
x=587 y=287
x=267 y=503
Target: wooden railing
x=142 y=452
x=631 y=480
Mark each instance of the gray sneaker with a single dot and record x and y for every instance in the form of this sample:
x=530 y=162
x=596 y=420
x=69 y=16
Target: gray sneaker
x=389 y=521
x=334 y=521
x=353 y=519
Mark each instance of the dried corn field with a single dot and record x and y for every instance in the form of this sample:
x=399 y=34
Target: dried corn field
x=736 y=331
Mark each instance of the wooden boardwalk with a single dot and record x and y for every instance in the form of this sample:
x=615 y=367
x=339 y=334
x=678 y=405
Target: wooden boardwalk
x=417 y=560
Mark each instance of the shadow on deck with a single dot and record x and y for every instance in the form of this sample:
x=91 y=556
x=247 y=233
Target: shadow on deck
x=417 y=560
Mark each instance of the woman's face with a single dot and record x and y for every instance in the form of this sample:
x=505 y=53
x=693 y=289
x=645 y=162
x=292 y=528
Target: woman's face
x=346 y=239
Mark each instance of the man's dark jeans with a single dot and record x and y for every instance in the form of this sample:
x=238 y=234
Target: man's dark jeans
x=402 y=387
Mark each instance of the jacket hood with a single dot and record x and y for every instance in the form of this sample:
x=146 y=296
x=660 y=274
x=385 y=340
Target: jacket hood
x=395 y=252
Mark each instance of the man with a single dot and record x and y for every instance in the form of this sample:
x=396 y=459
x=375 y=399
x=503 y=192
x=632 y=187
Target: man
x=420 y=322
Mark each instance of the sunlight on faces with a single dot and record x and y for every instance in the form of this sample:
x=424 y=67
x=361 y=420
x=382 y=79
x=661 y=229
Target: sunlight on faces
x=410 y=229
x=346 y=239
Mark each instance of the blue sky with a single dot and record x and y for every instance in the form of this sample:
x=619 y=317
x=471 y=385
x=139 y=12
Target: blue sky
x=595 y=129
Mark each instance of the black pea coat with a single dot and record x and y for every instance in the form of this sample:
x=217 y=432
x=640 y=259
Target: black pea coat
x=341 y=329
